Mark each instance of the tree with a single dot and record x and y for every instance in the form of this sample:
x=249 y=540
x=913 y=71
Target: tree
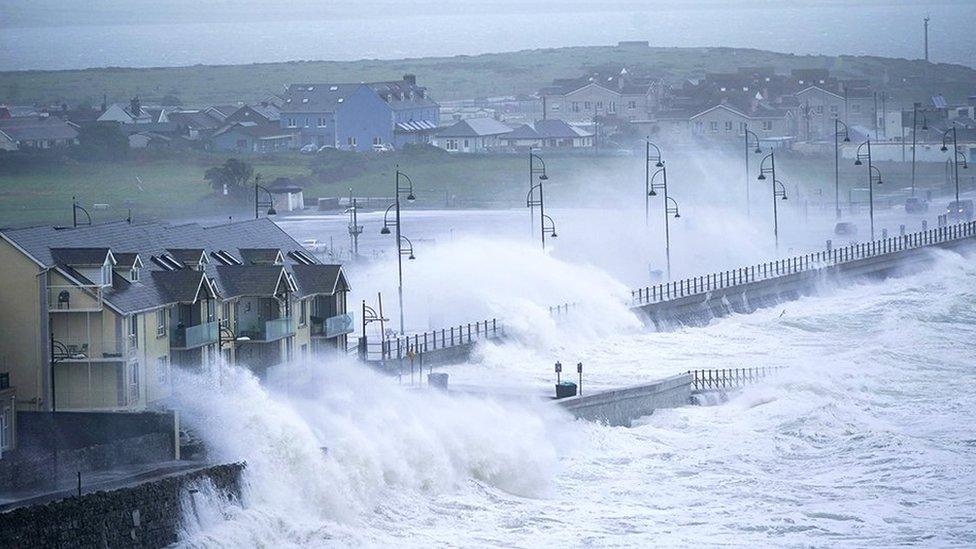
x=101 y=141
x=233 y=178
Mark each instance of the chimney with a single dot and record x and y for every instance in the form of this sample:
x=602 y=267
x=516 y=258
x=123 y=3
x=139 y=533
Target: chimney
x=135 y=106
x=410 y=79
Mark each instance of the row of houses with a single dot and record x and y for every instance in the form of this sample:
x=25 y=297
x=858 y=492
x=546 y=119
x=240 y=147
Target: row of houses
x=102 y=317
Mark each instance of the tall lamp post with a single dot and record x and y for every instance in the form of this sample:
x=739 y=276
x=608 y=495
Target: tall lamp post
x=535 y=171
x=74 y=213
x=925 y=126
x=778 y=192
x=531 y=202
x=401 y=251
x=258 y=203
x=755 y=139
x=670 y=208
x=847 y=139
x=874 y=177
x=658 y=163
x=956 y=153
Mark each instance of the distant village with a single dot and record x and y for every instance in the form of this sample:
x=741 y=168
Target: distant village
x=610 y=109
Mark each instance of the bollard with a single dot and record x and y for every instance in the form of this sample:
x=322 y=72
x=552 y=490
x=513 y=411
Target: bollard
x=579 y=370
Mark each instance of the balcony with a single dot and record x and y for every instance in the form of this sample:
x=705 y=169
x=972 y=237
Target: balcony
x=332 y=326
x=95 y=349
x=67 y=299
x=270 y=330
x=191 y=337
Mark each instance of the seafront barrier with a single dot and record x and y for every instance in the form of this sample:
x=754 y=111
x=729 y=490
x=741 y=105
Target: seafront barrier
x=147 y=514
x=698 y=299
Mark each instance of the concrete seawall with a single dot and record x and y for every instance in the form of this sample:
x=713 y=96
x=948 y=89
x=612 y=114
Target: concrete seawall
x=620 y=407
x=700 y=308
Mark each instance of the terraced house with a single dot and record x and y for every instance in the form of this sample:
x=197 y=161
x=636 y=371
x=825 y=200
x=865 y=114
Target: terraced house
x=100 y=317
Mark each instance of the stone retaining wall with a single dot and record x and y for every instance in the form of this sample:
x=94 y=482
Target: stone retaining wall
x=619 y=407
x=145 y=515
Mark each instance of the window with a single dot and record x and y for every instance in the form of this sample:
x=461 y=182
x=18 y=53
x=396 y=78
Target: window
x=555 y=107
x=728 y=125
x=820 y=109
x=351 y=141
x=599 y=105
x=377 y=140
x=134 y=274
x=211 y=310
x=466 y=144
x=133 y=331
x=107 y=274
x=767 y=125
x=451 y=144
x=575 y=106
x=321 y=121
x=833 y=109
x=162 y=369
x=291 y=123
x=613 y=106
x=160 y=323
x=586 y=105
x=699 y=127
x=713 y=125
x=225 y=314
x=303 y=312
x=742 y=128
x=632 y=105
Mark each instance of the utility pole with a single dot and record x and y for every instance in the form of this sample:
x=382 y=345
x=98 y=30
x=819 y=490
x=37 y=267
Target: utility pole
x=926 y=38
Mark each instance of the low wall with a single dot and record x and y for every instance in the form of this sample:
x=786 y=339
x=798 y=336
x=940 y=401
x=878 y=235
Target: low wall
x=58 y=445
x=145 y=515
x=746 y=298
x=619 y=407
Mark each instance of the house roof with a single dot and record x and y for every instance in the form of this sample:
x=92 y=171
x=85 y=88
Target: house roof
x=255 y=130
x=37 y=128
x=197 y=120
x=50 y=247
x=261 y=256
x=557 y=129
x=524 y=131
x=474 y=127
x=81 y=256
x=183 y=286
x=250 y=280
x=320 y=279
x=326 y=97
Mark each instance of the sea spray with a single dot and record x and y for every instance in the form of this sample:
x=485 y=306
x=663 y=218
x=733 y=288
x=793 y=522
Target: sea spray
x=328 y=444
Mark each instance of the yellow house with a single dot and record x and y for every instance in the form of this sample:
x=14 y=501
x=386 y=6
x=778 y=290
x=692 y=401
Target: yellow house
x=97 y=317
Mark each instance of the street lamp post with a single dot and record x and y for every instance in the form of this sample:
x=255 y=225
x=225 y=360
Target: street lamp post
x=74 y=213
x=534 y=172
x=658 y=163
x=874 y=177
x=925 y=126
x=956 y=153
x=749 y=133
x=531 y=203
x=59 y=352
x=847 y=139
x=258 y=203
x=778 y=192
x=401 y=251
x=670 y=208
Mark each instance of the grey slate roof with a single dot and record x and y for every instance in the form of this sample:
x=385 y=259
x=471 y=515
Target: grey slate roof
x=149 y=239
x=33 y=129
x=319 y=279
x=179 y=286
x=79 y=256
x=474 y=127
x=315 y=97
x=249 y=280
x=259 y=256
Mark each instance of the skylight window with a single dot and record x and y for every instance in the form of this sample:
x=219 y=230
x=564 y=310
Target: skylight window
x=333 y=88
x=225 y=258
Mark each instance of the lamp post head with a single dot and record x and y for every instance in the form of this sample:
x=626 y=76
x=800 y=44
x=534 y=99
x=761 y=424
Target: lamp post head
x=554 y=235
x=652 y=193
x=762 y=177
x=784 y=196
x=272 y=211
x=857 y=162
x=758 y=150
x=944 y=148
x=543 y=177
x=677 y=215
x=411 y=197
x=847 y=139
x=385 y=230
x=659 y=164
x=411 y=256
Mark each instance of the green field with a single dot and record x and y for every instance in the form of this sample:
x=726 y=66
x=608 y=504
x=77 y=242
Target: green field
x=462 y=77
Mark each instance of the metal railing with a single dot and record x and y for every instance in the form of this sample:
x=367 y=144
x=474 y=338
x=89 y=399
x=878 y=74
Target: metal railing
x=729 y=378
x=190 y=337
x=397 y=348
x=269 y=330
x=94 y=348
x=816 y=260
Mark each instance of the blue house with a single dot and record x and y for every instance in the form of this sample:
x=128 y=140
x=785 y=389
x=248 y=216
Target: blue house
x=360 y=117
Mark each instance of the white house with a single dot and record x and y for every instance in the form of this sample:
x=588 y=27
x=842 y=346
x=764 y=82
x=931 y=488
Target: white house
x=471 y=135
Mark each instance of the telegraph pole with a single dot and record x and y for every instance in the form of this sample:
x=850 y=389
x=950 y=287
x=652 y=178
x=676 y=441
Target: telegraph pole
x=926 y=38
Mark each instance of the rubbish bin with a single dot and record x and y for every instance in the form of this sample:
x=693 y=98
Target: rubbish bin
x=565 y=389
x=437 y=380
